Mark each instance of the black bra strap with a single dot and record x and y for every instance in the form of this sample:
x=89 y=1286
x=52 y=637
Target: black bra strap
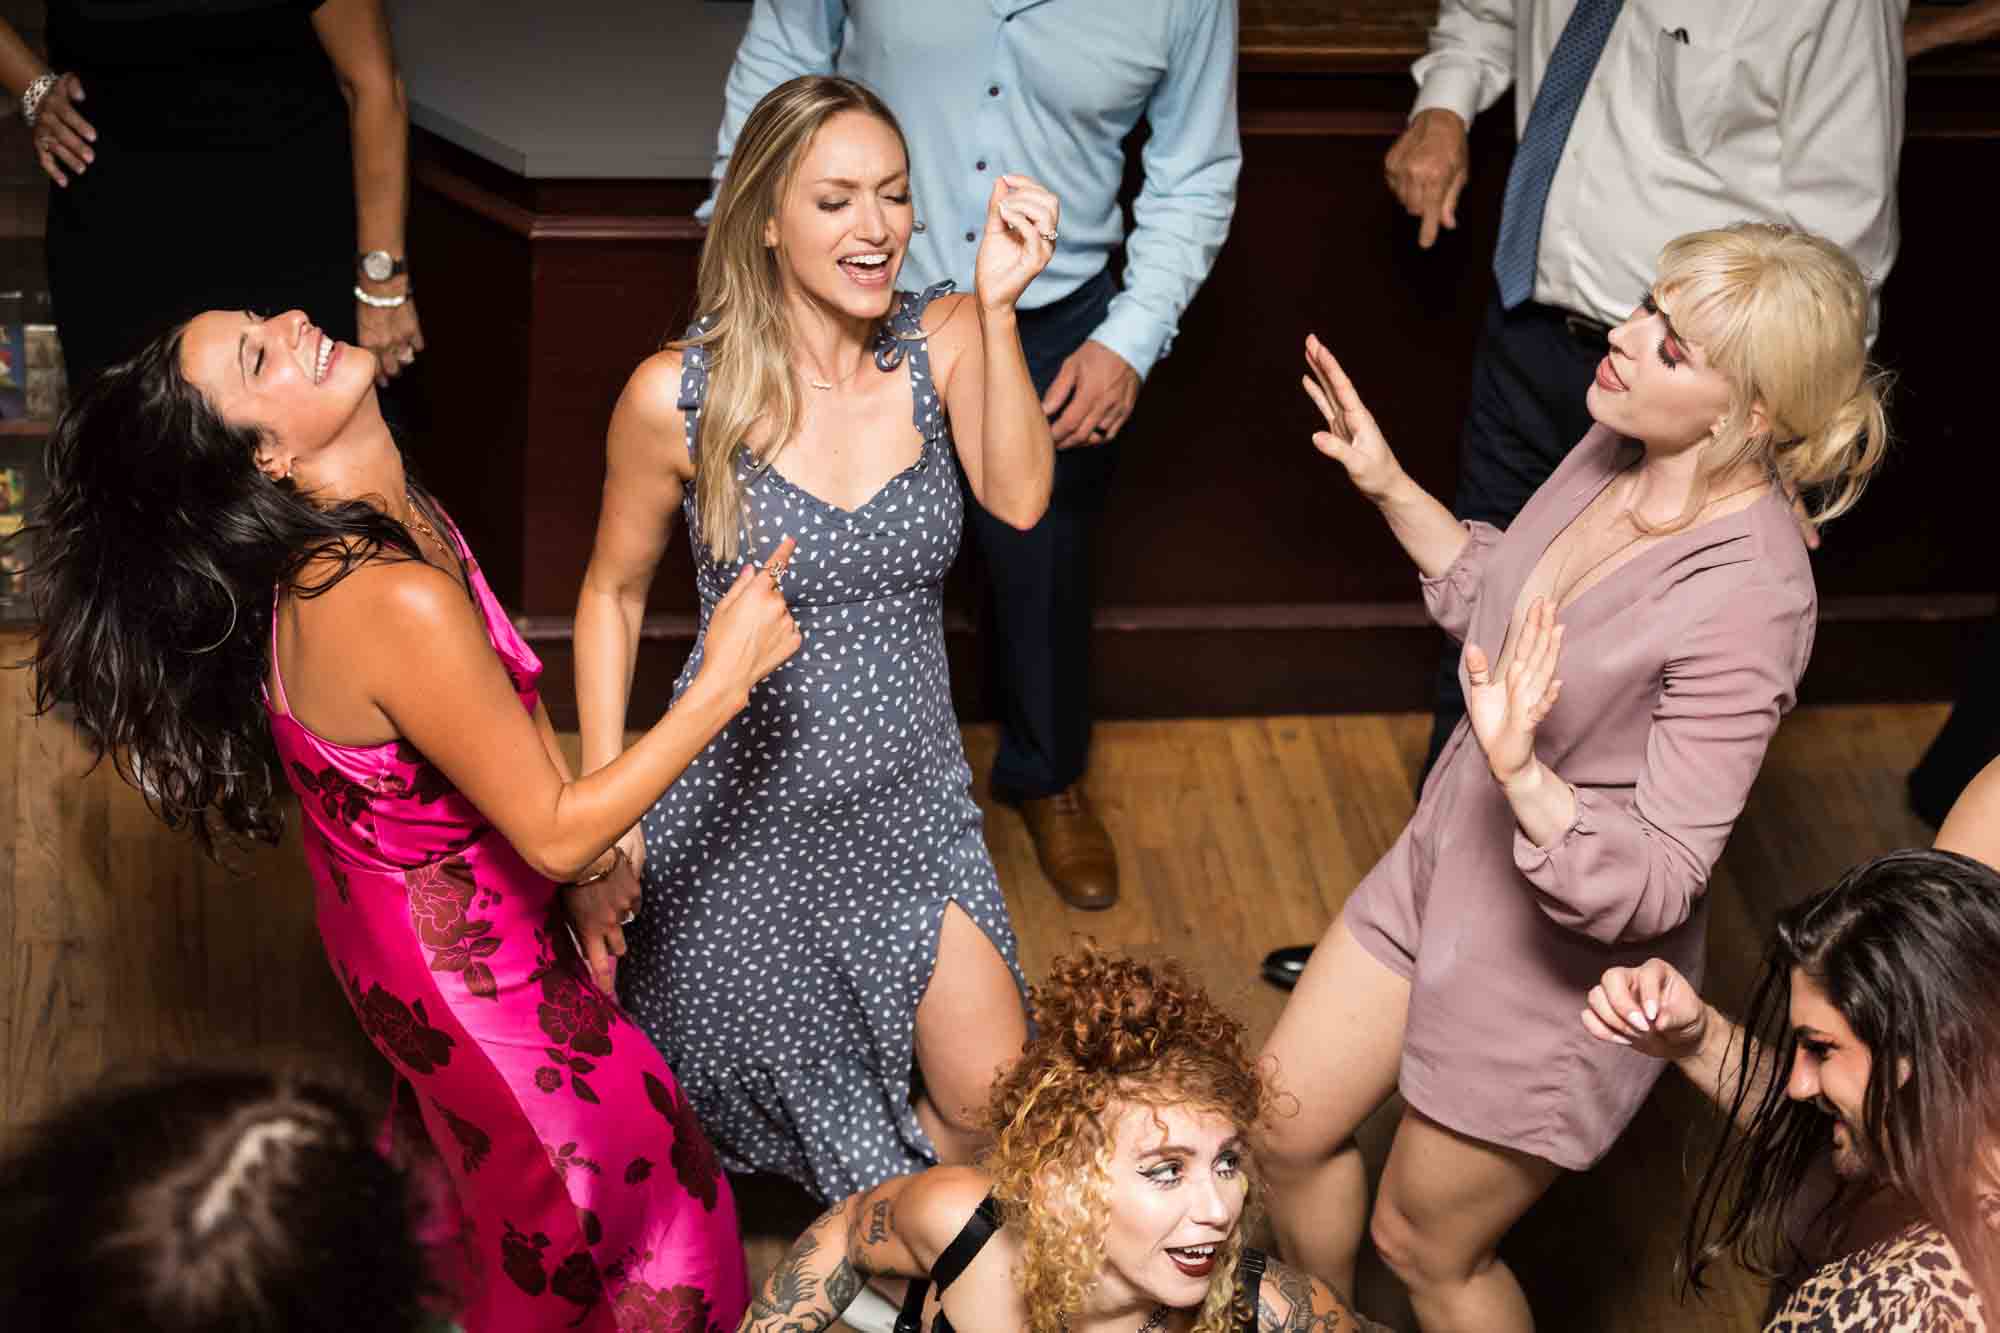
x=910 y=1319
x=969 y=1241
x=971 y=1238
x=1250 y=1281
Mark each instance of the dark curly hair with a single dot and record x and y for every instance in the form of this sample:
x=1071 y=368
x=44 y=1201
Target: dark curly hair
x=209 y=1200
x=157 y=556
x=1108 y=1029
x=1907 y=949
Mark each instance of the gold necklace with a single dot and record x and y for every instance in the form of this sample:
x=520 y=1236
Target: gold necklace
x=418 y=521
x=824 y=384
x=1562 y=590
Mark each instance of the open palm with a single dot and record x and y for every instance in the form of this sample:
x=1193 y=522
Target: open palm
x=1506 y=712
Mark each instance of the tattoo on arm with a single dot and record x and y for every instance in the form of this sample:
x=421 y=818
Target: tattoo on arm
x=1299 y=1295
x=795 y=1298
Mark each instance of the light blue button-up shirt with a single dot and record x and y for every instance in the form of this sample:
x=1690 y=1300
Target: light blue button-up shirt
x=1044 y=88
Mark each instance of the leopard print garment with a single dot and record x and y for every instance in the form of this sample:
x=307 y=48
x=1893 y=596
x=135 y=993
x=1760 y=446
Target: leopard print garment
x=1910 y=1283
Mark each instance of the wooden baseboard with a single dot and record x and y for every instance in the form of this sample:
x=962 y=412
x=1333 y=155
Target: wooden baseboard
x=1247 y=661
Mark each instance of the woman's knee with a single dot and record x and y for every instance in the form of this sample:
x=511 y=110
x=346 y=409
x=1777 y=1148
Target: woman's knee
x=1411 y=1253
x=1288 y=1151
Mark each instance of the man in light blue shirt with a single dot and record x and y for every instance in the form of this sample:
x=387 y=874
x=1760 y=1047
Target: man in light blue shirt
x=1051 y=89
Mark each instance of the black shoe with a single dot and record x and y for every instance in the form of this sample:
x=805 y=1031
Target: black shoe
x=1282 y=967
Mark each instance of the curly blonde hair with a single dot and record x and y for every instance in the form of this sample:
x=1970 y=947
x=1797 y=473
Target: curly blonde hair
x=1111 y=1033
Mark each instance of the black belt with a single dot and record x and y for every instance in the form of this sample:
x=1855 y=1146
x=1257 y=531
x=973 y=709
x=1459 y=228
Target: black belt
x=1586 y=331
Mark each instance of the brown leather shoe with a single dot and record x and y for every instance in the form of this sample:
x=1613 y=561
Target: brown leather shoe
x=1075 y=851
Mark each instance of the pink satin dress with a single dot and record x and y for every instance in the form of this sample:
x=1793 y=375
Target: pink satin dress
x=592 y=1198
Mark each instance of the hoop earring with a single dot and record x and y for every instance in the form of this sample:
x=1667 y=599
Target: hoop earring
x=919 y=227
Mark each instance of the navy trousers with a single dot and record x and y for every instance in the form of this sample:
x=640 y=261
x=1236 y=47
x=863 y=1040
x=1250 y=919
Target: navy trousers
x=1529 y=376
x=1042 y=581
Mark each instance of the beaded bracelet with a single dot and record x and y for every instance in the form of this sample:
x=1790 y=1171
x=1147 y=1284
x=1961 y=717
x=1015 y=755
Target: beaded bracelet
x=32 y=95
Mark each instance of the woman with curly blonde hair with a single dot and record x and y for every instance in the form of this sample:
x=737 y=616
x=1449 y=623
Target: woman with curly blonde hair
x=1116 y=1198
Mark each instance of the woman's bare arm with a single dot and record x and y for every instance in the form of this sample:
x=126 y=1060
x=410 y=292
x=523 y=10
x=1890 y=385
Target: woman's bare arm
x=889 y=1231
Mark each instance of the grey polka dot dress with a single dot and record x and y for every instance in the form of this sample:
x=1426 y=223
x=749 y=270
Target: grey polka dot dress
x=797 y=874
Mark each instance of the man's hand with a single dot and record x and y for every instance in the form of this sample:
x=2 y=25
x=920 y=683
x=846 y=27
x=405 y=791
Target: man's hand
x=1427 y=169
x=1091 y=398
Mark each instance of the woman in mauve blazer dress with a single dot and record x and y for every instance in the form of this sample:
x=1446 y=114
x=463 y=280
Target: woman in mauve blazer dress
x=1632 y=641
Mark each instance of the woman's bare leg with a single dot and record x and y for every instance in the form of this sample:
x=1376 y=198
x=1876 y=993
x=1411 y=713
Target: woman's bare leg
x=1337 y=1047
x=969 y=1026
x=1446 y=1201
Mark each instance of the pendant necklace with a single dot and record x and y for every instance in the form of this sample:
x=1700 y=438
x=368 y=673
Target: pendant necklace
x=1154 y=1321
x=419 y=522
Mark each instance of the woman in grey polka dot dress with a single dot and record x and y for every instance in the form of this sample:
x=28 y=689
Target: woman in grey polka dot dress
x=823 y=953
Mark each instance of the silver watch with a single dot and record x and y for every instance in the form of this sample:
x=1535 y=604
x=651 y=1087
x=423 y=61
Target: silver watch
x=380 y=266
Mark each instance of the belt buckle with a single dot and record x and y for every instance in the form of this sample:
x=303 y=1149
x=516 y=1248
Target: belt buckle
x=1586 y=330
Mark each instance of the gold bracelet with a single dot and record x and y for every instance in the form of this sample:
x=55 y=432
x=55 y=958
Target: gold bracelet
x=617 y=856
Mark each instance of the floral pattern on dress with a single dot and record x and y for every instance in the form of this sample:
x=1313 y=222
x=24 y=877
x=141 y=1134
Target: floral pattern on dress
x=575 y=1279
x=424 y=784
x=441 y=895
x=574 y=1015
x=402 y=1030
x=340 y=797
x=644 y=1309
x=695 y=1163
x=474 y=1143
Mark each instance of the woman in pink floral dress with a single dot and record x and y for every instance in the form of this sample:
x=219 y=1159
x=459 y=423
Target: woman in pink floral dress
x=457 y=863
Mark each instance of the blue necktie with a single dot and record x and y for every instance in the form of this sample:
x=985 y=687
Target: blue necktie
x=1540 y=153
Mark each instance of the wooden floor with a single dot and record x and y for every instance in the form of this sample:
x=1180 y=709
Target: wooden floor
x=120 y=946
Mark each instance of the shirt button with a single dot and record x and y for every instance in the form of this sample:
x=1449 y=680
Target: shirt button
x=980 y=165
x=972 y=236
x=993 y=91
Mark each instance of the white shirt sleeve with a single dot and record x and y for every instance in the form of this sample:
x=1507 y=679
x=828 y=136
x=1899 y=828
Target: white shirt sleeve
x=1841 y=130
x=1470 y=62
x=785 y=39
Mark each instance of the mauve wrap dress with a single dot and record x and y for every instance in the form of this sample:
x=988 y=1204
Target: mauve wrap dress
x=1676 y=668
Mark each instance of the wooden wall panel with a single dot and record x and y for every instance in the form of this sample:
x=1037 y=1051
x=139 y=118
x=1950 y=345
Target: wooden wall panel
x=1238 y=573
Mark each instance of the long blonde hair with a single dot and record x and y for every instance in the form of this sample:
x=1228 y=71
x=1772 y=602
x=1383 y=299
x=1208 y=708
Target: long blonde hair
x=739 y=291
x=1783 y=315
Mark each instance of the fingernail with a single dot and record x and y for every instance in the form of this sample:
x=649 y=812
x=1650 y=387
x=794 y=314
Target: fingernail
x=1652 y=1010
x=1638 y=1019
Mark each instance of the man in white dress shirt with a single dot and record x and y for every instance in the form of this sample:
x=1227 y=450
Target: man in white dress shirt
x=1662 y=117
x=1697 y=113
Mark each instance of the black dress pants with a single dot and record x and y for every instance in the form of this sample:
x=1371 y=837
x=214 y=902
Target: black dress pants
x=1042 y=581
x=1529 y=377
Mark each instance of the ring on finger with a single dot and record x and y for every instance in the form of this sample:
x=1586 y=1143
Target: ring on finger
x=1049 y=235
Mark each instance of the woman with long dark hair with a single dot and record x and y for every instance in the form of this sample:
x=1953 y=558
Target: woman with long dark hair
x=1863 y=1087
x=239 y=587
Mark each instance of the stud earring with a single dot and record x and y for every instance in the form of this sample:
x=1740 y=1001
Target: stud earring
x=919 y=227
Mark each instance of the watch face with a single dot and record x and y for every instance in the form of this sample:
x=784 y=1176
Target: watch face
x=377 y=266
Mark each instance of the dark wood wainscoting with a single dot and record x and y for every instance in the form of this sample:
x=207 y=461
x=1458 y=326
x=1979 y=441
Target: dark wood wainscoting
x=1237 y=572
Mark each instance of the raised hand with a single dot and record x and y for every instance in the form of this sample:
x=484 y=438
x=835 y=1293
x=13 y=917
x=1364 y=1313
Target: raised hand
x=1351 y=438
x=1505 y=713
x=1650 y=1008
x=1021 y=221
x=751 y=632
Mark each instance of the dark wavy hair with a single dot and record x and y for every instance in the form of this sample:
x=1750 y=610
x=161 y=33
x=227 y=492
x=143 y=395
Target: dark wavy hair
x=207 y=1200
x=1907 y=949
x=156 y=558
